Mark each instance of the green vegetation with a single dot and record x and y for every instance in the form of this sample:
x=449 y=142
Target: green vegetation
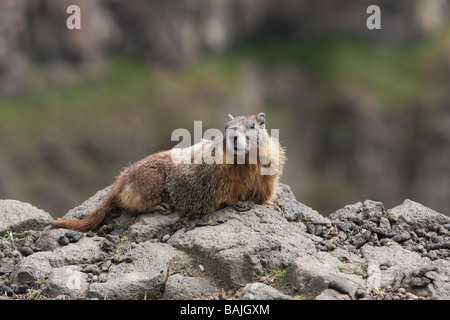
x=9 y=235
x=277 y=279
x=278 y=274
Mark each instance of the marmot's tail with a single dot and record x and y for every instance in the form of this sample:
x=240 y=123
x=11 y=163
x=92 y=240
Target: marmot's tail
x=93 y=220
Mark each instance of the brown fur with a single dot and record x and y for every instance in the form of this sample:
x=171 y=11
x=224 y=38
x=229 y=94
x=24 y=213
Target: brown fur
x=193 y=188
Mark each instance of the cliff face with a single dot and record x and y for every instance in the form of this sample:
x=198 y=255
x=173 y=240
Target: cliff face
x=362 y=251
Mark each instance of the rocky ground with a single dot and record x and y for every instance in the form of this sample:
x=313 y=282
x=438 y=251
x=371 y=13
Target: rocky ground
x=288 y=251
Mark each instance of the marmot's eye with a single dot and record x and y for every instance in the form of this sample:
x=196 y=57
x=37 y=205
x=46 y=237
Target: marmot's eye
x=252 y=126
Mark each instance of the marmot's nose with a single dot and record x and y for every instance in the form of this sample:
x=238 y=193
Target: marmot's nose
x=235 y=128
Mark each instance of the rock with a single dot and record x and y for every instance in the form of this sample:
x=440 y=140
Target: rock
x=311 y=274
x=410 y=296
x=397 y=258
x=86 y=250
x=329 y=294
x=244 y=245
x=107 y=245
x=67 y=281
x=401 y=237
x=338 y=286
x=405 y=270
x=153 y=225
x=32 y=269
x=416 y=216
x=73 y=236
x=358 y=212
x=261 y=291
x=430 y=281
x=180 y=287
x=144 y=276
x=361 y=251
x=63 y=240
x=401 y=290
x=19 y=216
x=6 y=291
x=26 y=251
x=361 y=238
x=385 y=224
x=49 y=239
x=294 y=210
x=6 y=265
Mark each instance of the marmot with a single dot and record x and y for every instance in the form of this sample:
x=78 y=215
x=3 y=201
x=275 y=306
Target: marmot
x=241 y=166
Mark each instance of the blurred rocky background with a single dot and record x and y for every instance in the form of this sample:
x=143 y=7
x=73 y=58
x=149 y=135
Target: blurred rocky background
x=364 y=114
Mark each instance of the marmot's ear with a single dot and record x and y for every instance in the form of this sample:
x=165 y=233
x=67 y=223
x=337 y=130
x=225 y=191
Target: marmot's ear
x=230 y=117
x=261 y=118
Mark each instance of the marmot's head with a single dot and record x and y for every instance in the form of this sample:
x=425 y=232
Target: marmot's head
x=242 y=133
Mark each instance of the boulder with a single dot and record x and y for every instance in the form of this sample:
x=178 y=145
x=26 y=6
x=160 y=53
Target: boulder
x=397 y=267
x=142 y=274
x=33 y=269
x=413 y=215
x=261 y=291
x=240 y=246
x=396 y=262
x=153 y=225
x=313 y=273
x=67 y=281
x=181 y=287
x=19 y=216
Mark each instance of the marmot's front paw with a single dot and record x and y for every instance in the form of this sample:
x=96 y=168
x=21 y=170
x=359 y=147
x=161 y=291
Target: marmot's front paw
x=163 y=208
x=270 y=203
x=242 y=206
